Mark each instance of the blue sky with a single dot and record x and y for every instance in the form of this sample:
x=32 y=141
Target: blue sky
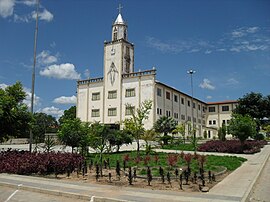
x=227 y=43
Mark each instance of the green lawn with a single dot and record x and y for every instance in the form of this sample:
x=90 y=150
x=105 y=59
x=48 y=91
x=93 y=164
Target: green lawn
x=181 y=147
x=213 y=163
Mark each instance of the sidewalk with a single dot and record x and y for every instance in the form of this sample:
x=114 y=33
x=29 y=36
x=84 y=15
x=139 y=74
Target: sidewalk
x=235 y=187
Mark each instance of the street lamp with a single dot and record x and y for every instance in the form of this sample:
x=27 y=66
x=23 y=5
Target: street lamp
x=191 y=72
x=33 y=77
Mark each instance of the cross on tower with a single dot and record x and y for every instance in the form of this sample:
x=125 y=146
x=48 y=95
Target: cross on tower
x=119 y=8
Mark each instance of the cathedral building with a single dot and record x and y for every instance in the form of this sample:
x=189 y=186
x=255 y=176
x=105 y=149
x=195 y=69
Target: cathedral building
x=105 y=99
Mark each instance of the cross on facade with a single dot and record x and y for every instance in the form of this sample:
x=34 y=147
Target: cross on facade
x=119 y=8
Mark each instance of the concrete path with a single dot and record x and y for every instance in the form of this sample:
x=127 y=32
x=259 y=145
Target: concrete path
x=235 y=187
x=261 y=190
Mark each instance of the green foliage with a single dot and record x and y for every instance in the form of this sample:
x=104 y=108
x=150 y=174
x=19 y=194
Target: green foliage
x=259 y=136
x=68 y=114
x=135 y=125
x=49 y=144
x=73 y=133
x=42 y=124
x=14 y=116
x=242 y=127
x=165 y=125
x=255 y=105
x=118 y=138
x=222 y=132
x=181 y=147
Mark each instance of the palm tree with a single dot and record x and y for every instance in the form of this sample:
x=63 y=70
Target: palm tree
x=165 y=125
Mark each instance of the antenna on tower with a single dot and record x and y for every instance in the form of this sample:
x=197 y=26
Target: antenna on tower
x=119 y=8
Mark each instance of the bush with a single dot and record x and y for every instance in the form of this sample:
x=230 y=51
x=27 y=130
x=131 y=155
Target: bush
x=25 y=163
x=259 y=136
x=232 y=146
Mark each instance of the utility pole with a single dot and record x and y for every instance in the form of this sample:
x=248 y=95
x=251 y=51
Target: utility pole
x=33 y=76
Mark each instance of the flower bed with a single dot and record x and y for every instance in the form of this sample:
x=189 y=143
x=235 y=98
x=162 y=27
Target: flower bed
x=233 y=146
x=24 y=162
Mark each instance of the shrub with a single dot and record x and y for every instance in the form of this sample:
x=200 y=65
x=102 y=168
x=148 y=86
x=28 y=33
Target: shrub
x=259 y=136
x=232 y=146
x=25 y=163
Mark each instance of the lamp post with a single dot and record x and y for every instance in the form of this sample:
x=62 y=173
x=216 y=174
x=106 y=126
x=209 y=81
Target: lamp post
x=191 y=72
x=33 y=77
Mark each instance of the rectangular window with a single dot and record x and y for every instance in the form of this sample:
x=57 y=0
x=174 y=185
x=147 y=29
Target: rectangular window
x=199 y=121
x=183 y=117
x=189 y=118
x=223 y=122
x=159 y=92
x=95 y=113
x=225 y=108
x=112 y=112
x=211 y=109
x=188 y=103
x=228 y=121
x=194 y=120
x=210 y=122
x=157 y=110
x=160 y=111
x=128 y=52
x=194 y=105
x=112 y=94
x=182 y=101
x=168 y=95
x=129 y=110
x=95 y=96
x=214 y=122
x=199 y=107
x=168 y=113
x=175 y=115
x=175 y=98
x=130 y=92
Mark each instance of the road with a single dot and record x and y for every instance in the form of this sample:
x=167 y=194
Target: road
x=8 y=194
x=261 y=190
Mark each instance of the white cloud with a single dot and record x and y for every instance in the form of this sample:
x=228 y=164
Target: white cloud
x=209 y=97
x=22 y=18
x=45 y=58
x=6 y=8
x=238 y=33
x=3 y=86
x=54 y=111
x=65 y=100
x=29 y=2
x=87 y=73
x=27 y=100
x=62 y=71
x=208 y=52
x=206 y=84
x=232 y=81
x=44 y=15
x=252 y=29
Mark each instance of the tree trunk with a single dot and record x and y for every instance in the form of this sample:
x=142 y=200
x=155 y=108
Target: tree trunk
x=118 y=148
x=138 y=146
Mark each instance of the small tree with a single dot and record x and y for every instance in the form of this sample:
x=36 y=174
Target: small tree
x=222 y=132
x=149 y=135
x=181 y=128
x=118 y=138
x=165 y=125
x=99 y=139
x=135 y=125
x=242 y=127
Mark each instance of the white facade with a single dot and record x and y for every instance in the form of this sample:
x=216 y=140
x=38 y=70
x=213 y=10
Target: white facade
x=104 y=99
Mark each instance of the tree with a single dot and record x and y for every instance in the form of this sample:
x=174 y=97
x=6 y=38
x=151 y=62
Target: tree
x=180 y=128
x=15 y=118
x=73 y=133
x=222 y=132
x=149 y=135
x=135 y=124
x=255 y=105
x=242 y=127
x=165 y=125
x=99 y=139
x=118 y=138
x=42 y=124
x=68 y=114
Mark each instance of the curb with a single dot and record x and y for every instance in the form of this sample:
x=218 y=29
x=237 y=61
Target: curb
x=248 y=191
